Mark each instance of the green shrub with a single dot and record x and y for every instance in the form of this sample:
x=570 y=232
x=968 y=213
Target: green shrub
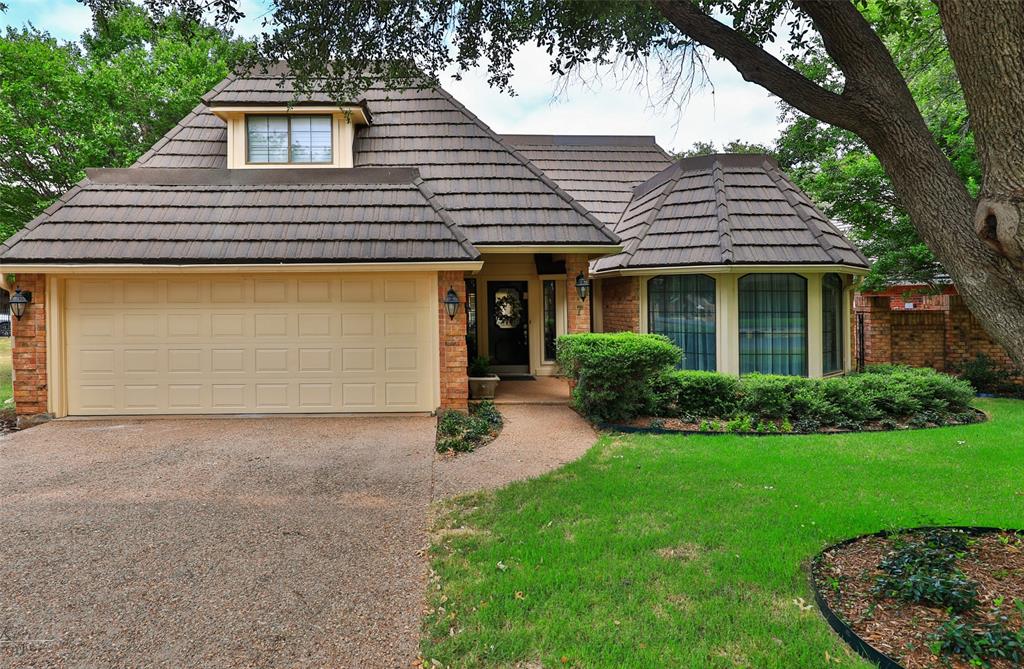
x=770 y=397
x=460 y=432
x=624 y=375
x=614 y=372
x=977 y=644
x=986 y=375
x=923 y=570
x=694 y=394
x=480 y=366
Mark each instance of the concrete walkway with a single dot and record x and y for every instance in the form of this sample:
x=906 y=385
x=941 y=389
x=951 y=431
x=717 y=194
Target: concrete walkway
x=536 y=439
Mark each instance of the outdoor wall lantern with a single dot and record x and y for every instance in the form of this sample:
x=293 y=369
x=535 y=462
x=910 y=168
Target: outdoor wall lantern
x=19 y=301
x=582 y=286
x=451 y=303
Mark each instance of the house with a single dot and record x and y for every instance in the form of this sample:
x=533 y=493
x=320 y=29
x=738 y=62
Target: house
x=270 y=257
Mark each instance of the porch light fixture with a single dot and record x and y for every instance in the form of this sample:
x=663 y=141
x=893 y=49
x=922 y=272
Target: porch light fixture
x=19 y=301
x=582 y=286
x=451 y=303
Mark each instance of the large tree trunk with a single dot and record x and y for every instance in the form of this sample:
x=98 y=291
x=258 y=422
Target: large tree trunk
x=979 y=244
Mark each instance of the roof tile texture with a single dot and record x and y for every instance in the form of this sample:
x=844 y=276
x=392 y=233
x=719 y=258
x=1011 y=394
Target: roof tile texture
x=725 y=209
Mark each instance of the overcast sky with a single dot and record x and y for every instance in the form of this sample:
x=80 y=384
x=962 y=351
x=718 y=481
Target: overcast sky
x=728 y=109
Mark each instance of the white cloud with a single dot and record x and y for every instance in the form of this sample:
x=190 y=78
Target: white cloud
x=66 y=19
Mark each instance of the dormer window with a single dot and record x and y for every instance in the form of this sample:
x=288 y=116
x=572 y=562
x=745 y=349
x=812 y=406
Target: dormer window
x=299 y=137
x=284 y=139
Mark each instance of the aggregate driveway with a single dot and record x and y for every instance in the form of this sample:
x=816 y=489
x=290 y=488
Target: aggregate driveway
x=270 y=542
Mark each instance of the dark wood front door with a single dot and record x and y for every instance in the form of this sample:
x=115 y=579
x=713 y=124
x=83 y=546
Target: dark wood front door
x=508 y=326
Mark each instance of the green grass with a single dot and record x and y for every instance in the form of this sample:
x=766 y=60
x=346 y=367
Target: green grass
x=581 y=545
x=6 y=388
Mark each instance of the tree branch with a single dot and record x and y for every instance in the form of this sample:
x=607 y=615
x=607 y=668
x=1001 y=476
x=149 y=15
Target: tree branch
x=755 y=64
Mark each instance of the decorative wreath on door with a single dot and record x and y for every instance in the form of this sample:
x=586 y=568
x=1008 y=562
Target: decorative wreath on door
x=508 y=310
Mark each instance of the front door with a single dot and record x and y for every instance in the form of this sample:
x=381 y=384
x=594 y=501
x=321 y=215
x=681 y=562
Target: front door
x=508 y=326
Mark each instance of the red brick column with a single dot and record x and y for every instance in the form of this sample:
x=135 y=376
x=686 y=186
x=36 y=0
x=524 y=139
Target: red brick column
x=452 y=331
x=620 y=303
x=877 y=328
x=29 y=351
x=579 y=312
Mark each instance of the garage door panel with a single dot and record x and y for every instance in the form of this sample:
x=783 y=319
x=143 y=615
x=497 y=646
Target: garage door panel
x=253 y=344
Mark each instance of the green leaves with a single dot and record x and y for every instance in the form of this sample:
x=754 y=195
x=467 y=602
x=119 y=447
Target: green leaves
x=65 y=107
x=836 y=168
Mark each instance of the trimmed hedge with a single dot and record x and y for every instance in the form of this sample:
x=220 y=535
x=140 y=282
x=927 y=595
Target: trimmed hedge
x=624 y=376
x=897 y=396
x=613 y=372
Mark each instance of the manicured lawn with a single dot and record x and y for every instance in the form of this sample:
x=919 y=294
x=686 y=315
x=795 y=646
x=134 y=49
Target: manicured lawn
x=5 y=371
x=565 y=570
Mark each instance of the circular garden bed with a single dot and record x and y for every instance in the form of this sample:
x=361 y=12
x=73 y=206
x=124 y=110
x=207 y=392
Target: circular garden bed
x=927 y=597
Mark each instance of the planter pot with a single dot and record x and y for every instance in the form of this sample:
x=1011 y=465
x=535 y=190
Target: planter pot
x=483 y=387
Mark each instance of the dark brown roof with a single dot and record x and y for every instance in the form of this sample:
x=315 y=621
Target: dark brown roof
x=494 y=194
x=725 y=209
x=600 y=171
x=188 y=215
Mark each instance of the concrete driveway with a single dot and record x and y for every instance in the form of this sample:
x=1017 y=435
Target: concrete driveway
x=269 y=542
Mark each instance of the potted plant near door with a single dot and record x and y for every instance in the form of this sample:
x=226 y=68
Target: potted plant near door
x=482 y=383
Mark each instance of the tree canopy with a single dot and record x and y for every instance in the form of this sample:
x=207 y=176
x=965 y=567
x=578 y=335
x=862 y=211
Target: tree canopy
x=100 y=102
x=841 y=173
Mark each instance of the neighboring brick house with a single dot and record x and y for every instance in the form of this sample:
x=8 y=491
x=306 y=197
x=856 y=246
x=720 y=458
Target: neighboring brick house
x=276 y=255
x=917 y=325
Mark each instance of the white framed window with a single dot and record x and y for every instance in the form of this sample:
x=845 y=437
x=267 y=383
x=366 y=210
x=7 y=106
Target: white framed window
x=289 y=139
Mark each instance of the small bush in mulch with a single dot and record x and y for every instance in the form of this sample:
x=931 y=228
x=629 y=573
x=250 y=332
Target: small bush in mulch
x=459 y=432
x=931 y=598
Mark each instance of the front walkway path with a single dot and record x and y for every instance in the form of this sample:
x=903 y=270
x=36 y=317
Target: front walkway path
x=536 y=439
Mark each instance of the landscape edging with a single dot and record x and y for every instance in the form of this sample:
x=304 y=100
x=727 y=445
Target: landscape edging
x=845 y=632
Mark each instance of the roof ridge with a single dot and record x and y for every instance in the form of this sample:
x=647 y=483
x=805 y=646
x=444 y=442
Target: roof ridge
x=570 y=200
x=168 y=136
x=722 y=213
x=449 y=222
x=557 y=139
x=634 y=243
x=221 y=85
x=787 y=188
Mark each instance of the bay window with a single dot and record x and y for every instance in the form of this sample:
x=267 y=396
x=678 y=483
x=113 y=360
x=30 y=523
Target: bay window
x=832 y=323
x=773 y=324
x=682 y=307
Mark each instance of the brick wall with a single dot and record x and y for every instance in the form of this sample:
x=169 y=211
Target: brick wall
x=919 y=338
x=966 y=339
x=452 y=339
x=579 y=312
x=620 y=304
x=29 y=350
x=939 y=332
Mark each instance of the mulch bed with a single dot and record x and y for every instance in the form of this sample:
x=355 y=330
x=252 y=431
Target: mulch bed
x=845 y=575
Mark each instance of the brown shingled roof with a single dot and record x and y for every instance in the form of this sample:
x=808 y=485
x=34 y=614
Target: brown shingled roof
x=600 y=171
x=725 y=209
x=188 y=215
x=491 y=191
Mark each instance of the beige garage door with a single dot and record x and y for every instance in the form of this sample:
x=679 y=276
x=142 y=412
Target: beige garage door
x=262 y=343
